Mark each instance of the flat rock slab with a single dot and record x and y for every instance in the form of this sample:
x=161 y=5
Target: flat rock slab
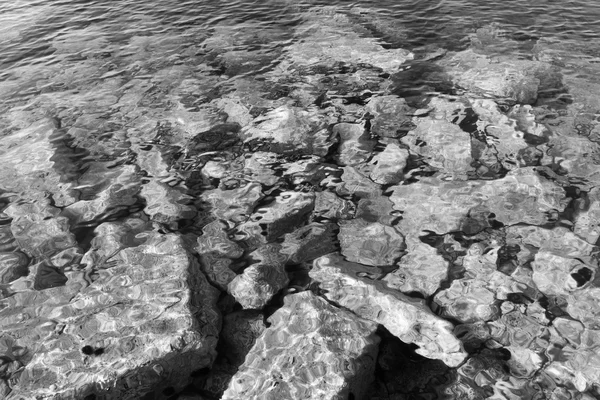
x=443 y=145
x=330 y=38
x=311 y=350
x=523 y=196
x=420 y=270
x=143 y=323
x=290 y=130
x=31 y=167
x=508 y=79
x=409 y=319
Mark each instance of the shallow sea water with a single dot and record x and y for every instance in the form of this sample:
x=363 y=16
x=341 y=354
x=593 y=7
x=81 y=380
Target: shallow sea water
x=158 y=113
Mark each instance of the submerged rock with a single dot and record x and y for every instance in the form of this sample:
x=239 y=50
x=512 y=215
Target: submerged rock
x=262 y=280
x=303 y=354
x=216 y=251
x=145 y=322
x=234 y=206
x=286 y=212
x=522 y=196
x=389 y=165
x=13 y=265
x=113 y=192
x=420 y=270
x=355 y=144
x=329 y=39
x=442 y=145
x=503 y=79
x=32 y=164
x=370 y=243
x=290 y=130
x=392 y=117
x=409 y=319
x=165 y=204
x=309 y=242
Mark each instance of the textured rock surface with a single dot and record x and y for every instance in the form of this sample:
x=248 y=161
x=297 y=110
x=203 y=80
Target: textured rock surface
x=370 y=243
x=120 y=335
x=407 y=318
x=517 y=80
x=234 y=205
x=113 y=191
x=389 y=165
x=282 y=215
x=290 y=130
x=330 y=38
x=216 y=251
x=29 y=159
x=260 y=281
x=305 y=353
x=421 y=270
x=442 y=145
x=522 y=196
x=166 y=205
x=391 y=116
x=140 y=156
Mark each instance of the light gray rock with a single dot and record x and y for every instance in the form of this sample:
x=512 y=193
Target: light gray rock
x=438 y=206
x=262 y=280
x=443 y=145
x=501 y=78
x=165 y=204
x=328 y=38
x=235 y=205
x=370 y=243
x=355 y=144
x=290 y=130
x=303 y=354
x=13 y=265
x=420 y=270
x=407 y=318
x=145 y=322
x=389 y=165
x=29 y=163
x=392 y=117
x=587 y=221
x=114 y=191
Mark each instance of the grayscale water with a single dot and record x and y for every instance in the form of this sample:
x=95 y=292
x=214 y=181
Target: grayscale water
x=152 y=151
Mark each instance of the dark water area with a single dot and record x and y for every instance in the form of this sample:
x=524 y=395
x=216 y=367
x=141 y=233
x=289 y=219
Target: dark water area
x=278 y=199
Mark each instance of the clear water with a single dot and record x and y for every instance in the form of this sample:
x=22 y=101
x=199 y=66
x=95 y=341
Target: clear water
x=75 y=62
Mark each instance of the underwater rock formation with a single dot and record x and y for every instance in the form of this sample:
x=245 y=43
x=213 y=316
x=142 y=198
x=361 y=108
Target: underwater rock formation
x=420 y=270
x=329 y=38
x=523 y=196
x=370 y=243
x=262 y=280
x=165 y=204
x=287 y=211
x=147 y=317
x=287 y=129
x=409 y=319
x=310 y=350
x=30 y=158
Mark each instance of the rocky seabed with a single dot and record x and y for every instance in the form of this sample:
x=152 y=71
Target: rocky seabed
x=232 y=219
